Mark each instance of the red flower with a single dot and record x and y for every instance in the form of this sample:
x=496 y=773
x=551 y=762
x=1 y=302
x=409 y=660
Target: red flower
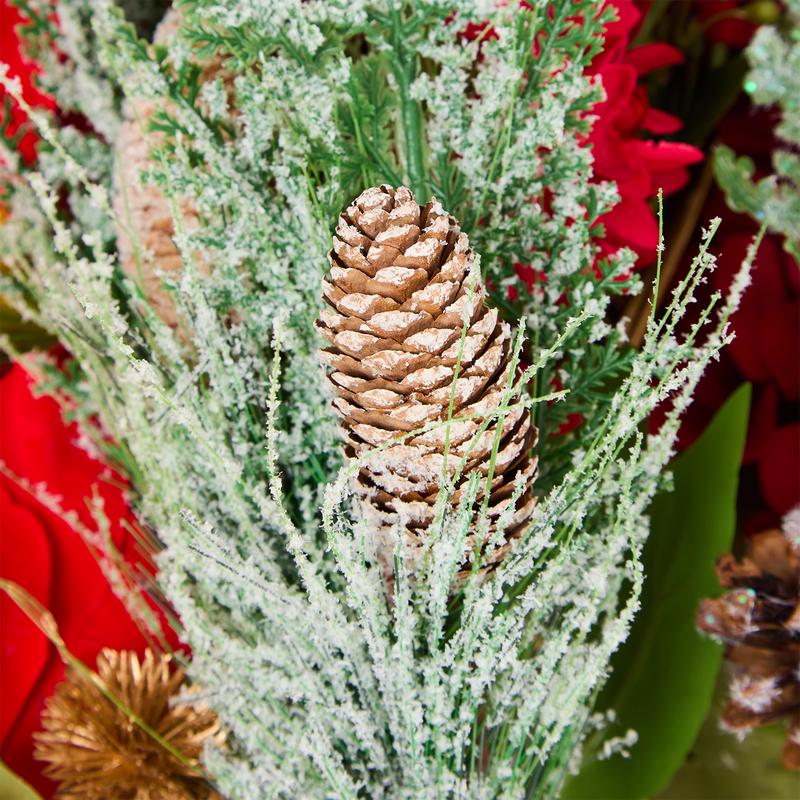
x=638 y=166
x=19 y=66
x=767 y=343
x=42 y=553
x=779 y=468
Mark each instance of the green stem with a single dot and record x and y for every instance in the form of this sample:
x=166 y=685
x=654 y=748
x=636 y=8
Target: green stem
x=404 y=69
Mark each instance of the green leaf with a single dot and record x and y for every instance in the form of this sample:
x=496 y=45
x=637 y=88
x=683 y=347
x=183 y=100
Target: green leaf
x=12 y=787
x=735 y=177
x=664 y=676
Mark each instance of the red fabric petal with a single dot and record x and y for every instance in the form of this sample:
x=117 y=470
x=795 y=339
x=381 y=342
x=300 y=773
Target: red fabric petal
x=631 y=117
x=779 y=346
x=732 y=31
x=666 y=162
x=769 y=285
x=791 y=273
x=24 y=649
x=615 y=160
x=661 y=122
x=619 y=83
x=17 y=749
x=720 y=380
x=631 y=223
x=745 y=348
x=19 y=66
x=762 y=520
x=751 y=131
x=763 y=420
x=779 y=468
x=770 y=289
x=572 y=421
x=618 y=32
x=669 y=182
x=628 y=16
x=665 y=156
x=656 y=55
x=36 y=445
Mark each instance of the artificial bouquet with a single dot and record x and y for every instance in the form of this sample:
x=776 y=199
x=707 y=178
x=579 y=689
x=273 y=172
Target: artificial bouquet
x=365 y=310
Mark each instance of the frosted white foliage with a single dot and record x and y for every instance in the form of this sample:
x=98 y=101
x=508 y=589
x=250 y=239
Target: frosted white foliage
x=327 y=686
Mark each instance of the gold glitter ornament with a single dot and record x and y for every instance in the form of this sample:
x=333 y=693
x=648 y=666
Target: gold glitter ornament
x=150 y=751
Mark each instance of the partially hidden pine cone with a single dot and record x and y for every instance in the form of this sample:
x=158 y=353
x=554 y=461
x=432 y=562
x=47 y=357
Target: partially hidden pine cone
x=759 y=621
x=401 y=284
x=145 y=227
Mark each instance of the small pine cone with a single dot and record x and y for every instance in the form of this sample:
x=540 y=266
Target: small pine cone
x=399 y=288
x=143 y=211
x=759 y=621
x=144 y=216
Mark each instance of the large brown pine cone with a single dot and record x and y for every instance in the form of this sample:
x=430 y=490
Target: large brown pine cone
x=400 y=286
x=759 y=620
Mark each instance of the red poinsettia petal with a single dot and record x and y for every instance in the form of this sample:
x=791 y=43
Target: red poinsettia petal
x=719 y=381
x=763 y=420
x=751 y=131
x=666 y=162
x=665 y=156
x=628 y=16
x=25 y=70
x=619 y=84
x=661 y=122
x=572 y=421
x=656 y=55
x=762 y=520
x=669 y=182
x=24 y=649
x=631 y=223
x=35 y=444
x=769 y=285
x=618 y=32
x=779 y=468
x=723 y=21
x=779 y=346
x=17 y=749
x=791 y=273
x=768 y=291
x=615 y=160
x=732 y=31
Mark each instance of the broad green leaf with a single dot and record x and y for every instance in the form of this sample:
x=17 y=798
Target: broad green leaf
x=13 y=787
x=664 y=676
